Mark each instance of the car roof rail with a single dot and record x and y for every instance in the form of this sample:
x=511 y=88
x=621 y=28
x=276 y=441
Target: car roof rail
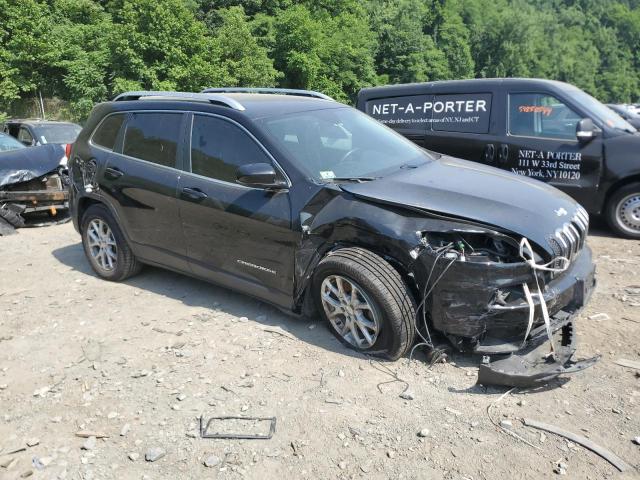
x=276 y=91
x=213 y=98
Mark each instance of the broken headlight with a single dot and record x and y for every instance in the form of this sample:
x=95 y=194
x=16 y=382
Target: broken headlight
x=475 y=246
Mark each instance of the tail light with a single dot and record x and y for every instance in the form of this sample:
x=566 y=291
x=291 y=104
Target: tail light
x=67 y=150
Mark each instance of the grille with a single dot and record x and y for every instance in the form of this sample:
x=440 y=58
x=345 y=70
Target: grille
x=569 y=239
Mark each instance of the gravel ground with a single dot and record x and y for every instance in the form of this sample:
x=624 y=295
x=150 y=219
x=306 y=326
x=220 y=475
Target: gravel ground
x=138 y=362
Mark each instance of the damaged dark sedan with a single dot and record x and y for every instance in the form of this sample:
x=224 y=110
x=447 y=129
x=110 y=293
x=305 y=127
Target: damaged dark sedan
x=32 y=180
x=315 y=207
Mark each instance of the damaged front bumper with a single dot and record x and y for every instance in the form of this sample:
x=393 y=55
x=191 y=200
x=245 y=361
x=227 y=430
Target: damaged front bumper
x=535 y=365
x=482 y=308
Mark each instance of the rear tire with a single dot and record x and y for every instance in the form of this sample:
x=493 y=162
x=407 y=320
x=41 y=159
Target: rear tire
x=385 y=326
x=623 y=211
x=106 y=248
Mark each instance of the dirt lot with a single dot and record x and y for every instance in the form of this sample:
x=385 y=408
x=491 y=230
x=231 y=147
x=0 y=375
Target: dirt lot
x=140 y=361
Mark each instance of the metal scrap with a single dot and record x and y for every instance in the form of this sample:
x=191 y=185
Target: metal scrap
x=580 y=440
x=627 y=363
x=205 y=433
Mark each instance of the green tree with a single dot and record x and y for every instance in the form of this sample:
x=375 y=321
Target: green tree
x=25 y=50
x=160 y=45
x=80 y=33
x=245 y=62
x=405 y=53
x=331 y=53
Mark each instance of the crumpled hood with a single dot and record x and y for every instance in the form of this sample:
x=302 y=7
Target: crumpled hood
x=472 y=191
x=25 y=164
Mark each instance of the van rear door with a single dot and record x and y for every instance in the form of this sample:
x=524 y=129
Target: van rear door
x=541 y=143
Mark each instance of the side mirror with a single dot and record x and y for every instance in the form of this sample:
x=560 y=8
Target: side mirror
x=586 y=130
x=259 y=175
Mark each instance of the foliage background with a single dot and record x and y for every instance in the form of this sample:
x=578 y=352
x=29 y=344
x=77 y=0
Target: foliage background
x=86 y=51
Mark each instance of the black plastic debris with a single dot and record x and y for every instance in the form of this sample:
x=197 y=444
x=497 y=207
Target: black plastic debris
x=536 y=365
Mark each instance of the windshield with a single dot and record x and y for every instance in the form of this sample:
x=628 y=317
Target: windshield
x=343 y=144
x=57 y=133
x=599 y=111
x=8 y=143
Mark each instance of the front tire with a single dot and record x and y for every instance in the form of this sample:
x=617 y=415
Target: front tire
x=623 y=211
x=105 y=246
x=365 y=302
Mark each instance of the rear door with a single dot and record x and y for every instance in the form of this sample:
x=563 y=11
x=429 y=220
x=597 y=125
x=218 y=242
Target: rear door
x=541 y=143
x=141 y=179
x=235 y=235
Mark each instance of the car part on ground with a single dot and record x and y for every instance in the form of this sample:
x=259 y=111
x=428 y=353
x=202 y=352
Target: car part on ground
x=316 y=208
x=32 y=181
x=205 y=428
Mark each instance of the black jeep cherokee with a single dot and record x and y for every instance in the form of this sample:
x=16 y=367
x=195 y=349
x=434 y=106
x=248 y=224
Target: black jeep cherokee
x=309 y=204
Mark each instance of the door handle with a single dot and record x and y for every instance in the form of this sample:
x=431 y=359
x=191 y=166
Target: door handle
x=489 y=154
x=194 y=194
x=503 y=153
x=113 y=173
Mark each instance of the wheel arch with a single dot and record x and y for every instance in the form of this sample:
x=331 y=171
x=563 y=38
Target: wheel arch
x=386 y=250
x=83 y=205
x=623 y=182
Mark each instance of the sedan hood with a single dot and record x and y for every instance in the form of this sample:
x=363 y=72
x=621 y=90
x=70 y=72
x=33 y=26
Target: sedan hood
x=486 y=195
x=25 y=164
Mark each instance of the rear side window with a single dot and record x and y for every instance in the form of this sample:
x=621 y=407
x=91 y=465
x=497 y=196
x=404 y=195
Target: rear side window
x=466 y=113
x=219 y=147
x=541 y=115
x=107 y=132
x=402 y=113
x=153 y=137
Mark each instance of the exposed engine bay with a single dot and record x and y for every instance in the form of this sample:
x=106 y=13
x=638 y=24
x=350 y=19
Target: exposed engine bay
x=493 y=296
x=33 y=188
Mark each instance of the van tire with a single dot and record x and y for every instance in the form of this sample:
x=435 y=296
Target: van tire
x=126 y=263
x=618 y=216
x=383 y=288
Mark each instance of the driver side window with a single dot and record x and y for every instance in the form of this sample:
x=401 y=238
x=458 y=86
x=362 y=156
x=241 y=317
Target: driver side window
x=219 y=147
x=24 y=136
x=541 y=115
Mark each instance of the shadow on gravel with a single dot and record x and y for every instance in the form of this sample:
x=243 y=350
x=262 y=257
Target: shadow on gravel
x=598 y=227
x=193 y=292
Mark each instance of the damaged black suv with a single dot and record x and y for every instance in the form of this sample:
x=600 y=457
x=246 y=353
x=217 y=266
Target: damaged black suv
x=309 y=204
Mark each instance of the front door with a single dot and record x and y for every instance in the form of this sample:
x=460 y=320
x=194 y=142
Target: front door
x=141 y=179
x=235 y=235
x=541 y=143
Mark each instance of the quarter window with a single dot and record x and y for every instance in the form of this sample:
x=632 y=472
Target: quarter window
x=153 y=137
x=219 y=147
x=107 y=132
x=541 y=115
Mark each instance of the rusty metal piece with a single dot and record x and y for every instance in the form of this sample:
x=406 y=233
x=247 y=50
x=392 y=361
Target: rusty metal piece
x=204 y=428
